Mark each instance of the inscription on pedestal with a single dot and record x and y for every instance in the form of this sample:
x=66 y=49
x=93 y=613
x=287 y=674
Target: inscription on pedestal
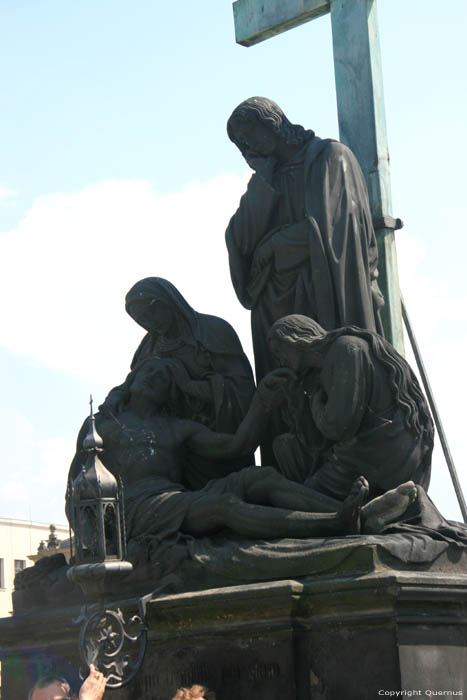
x=228 y=668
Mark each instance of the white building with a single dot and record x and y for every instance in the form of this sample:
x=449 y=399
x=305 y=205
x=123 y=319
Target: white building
x=19 y=539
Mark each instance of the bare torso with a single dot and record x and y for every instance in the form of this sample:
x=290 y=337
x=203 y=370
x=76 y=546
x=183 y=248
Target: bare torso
x=136 y=448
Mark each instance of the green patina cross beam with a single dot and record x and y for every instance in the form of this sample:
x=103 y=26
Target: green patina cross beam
x=360 y=107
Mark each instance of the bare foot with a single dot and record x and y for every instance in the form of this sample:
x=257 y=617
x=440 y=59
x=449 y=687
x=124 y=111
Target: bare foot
x=388 y=508
x=349 y=513
x=93 y=687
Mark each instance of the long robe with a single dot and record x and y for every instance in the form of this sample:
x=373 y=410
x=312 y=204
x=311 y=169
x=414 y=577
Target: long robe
x=316 y=214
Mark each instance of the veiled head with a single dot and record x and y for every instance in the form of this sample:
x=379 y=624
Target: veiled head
x=154 y=304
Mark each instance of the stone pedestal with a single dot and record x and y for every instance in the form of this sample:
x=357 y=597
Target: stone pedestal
x=354 y=634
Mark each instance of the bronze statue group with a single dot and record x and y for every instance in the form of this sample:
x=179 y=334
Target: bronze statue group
x=345 y=432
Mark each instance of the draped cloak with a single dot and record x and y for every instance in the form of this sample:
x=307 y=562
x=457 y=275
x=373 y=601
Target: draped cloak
x=317 y=217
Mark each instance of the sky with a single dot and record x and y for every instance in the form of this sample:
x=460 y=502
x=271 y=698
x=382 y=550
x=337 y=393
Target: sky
x=115 y=165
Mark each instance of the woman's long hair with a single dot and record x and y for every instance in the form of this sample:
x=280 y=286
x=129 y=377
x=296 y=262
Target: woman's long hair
x=306 y=334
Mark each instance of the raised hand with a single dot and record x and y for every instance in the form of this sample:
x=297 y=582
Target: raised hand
x=263 y=166
x=263 y=253
x=271 y=388
x=93 y=687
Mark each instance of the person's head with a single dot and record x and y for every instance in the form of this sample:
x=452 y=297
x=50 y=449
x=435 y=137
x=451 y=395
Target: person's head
x=150 y=302
x=51 y=688
x=299 y=342
x=152 y=380
x=258 y=127
x=196 y=692
x=296 y=341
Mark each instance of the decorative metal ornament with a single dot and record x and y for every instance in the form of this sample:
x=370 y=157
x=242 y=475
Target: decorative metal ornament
x=113 y=645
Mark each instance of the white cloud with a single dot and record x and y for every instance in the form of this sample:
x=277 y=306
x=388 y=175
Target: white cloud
x=7 y=197
x=16 y=492
x=34 y=477
x=54 y=455
x=77 y=254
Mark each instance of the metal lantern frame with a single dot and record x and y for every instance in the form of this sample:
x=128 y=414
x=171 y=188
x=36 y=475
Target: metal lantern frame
x=106 y=549
x=97 y=518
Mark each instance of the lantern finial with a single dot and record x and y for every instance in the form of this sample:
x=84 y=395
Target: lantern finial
x=92 y=441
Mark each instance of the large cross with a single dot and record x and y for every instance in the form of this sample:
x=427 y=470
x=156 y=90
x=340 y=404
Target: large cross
x=360 y=108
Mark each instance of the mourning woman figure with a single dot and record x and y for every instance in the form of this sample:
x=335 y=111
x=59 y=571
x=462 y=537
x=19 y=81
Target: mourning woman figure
x=211 y=370
x=356 y=408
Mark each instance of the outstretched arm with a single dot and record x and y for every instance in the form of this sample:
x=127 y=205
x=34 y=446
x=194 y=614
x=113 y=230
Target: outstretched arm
x=269 y=394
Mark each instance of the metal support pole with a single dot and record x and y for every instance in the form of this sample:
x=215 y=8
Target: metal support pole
x=362 y=127
x=434 y=410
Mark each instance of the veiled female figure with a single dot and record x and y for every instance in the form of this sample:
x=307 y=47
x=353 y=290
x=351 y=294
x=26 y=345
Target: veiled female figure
x=211 y=369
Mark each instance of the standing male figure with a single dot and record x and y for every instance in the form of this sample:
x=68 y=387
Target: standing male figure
x=302 y=240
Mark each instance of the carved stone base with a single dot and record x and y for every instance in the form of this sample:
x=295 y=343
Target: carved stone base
x=353 y=636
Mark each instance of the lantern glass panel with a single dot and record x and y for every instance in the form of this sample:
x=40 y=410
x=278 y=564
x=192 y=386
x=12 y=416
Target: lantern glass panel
x=88 y=528
x=111 y=530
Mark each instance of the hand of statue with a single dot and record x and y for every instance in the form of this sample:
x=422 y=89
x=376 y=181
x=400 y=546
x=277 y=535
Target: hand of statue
x=262 y=166
x=262 y=256
x=271 y=389
x=93 y=687
x=200 y=389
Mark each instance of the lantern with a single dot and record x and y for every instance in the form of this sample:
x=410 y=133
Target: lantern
x=97 y=519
